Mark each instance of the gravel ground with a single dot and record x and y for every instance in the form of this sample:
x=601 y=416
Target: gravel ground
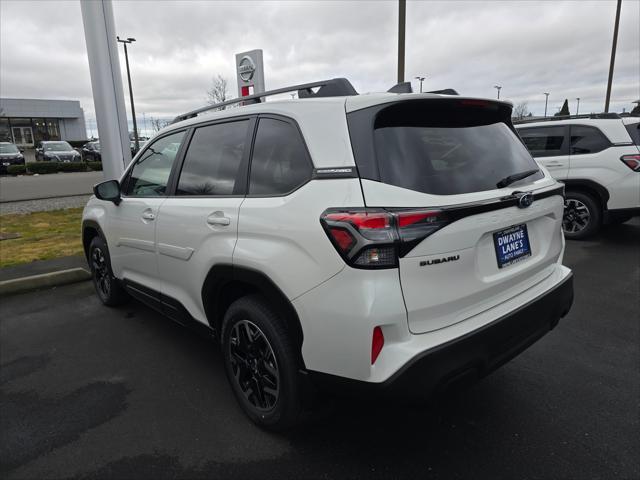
x=28 y=206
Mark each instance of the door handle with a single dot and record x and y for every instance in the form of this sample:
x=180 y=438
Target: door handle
x=218 y=219
x=148 y=215
x=554 y=164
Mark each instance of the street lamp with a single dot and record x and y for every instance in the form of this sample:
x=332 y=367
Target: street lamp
x=133 y=108
x=421 y=79
x=578 y=107
x=546 y=100
x=498 y=87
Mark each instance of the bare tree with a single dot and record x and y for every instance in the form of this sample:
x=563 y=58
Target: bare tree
x=218 y=91
x=158 y=123
x=521 y=110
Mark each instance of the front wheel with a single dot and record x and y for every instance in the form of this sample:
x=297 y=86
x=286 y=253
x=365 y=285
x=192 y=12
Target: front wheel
x=107 y=286
x=582 y=216
x=261 y=363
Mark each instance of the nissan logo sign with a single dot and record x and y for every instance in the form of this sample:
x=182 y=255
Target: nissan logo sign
x=246 y=68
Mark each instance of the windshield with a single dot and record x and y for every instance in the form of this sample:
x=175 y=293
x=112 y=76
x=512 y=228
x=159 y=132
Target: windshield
x=8 y=148
x=57 y=147
x=448 y=148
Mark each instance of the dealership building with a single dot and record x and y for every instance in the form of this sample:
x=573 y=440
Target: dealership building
x=26 y=122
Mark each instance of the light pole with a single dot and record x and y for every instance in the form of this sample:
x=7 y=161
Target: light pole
x=402 y=14
x=613 y=57
x=578 y=107
x=498 y=87
x=421 y=79
x=546 y=100
x=133 y=108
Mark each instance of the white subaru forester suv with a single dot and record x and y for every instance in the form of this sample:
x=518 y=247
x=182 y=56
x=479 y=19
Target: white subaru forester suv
x=597 y=157
x=389 y=242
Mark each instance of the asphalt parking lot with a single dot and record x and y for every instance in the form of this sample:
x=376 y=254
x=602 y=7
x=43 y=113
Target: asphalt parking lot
x=91 y=392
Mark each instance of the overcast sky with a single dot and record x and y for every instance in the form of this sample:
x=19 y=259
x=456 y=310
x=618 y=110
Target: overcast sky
x=527 y=47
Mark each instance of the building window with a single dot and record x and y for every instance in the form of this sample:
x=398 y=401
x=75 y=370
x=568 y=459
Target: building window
x=5 y=132
x=53 y=129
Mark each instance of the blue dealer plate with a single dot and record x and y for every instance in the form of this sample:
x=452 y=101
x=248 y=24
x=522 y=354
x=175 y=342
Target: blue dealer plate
x=512 y=245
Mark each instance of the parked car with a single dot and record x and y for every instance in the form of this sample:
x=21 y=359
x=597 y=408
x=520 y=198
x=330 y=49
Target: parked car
x=10 y=154
x=385 y=242
x=91 y=152
x=56 y=151
x=597 y=157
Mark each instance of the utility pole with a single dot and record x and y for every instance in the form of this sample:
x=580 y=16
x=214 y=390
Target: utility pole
x=133 y=108
x=421 y=79
x=578 y=107
x=546 y=100
x=498 y=87
x=613 y=56
x=402 y=15
x=144 y=121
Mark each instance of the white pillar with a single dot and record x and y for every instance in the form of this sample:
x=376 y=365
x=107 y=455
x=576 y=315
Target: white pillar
x=106 y=83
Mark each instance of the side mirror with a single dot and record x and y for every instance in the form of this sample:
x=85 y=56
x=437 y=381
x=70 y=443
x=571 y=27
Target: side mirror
x=109 y=191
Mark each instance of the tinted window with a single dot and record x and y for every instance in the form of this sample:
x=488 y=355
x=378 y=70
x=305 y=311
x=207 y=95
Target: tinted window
x=587 y=140
x=280 y=162
x=544 y=141
x=212 y=162
x=634 y=132
x=150 y=175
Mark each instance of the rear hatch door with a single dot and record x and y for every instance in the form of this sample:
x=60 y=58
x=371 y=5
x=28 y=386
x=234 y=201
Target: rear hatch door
x=490 y=236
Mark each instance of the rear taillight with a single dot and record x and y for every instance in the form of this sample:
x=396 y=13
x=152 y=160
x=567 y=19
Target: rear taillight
x=377 y=342
x=632 y=161
x=375 y=237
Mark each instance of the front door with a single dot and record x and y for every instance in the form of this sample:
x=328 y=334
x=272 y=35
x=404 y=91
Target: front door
x=132 y=224
x=22 y=136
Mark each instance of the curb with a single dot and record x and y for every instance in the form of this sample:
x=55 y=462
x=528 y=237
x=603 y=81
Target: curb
x=45 y=280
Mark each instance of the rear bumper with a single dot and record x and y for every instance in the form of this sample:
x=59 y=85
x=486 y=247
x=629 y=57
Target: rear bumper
x=470 y=356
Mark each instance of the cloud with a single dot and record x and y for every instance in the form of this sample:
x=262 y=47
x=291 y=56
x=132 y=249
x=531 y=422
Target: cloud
x=527 y=47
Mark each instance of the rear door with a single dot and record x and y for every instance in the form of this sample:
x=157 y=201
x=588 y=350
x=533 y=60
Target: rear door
x=478 y=244
x=198 y=223
x=549 y=146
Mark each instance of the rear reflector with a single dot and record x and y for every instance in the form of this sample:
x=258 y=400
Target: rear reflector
x=632 y=161
x=377 y=342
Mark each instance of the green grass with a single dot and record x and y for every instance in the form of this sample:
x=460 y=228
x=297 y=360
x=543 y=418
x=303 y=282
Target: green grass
x=43 y=235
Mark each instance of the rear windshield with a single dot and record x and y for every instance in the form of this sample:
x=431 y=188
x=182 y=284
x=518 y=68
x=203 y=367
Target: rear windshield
x=445 y=148
x=634 y=132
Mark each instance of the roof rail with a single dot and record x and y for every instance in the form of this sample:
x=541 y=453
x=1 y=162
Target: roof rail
x=611 y=116
x=335 y=87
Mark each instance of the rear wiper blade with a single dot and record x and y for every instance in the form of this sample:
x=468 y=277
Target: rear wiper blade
x=506 y=181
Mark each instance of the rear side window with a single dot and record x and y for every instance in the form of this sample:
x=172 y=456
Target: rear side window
x=443 y=148
x=587 y=140
x=150 y=174
x=212 y=162
x=634 y=132
x=545 y=141
x=280 y=163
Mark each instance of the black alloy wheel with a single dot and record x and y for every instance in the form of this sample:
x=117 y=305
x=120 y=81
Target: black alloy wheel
x=254 y=365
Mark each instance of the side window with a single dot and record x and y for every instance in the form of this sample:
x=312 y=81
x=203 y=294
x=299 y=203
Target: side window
x=634 y=132
x=150 y=175
x=280 y=162
x=587 y=140
x=212 y=163
x=544 y=141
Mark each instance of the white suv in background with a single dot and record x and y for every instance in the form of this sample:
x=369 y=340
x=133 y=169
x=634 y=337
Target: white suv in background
x=597 y=157
x=392 y=242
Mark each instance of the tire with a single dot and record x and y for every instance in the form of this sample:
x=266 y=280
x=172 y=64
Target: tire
x=582 y=215
x=259 y=356
x=107 y=286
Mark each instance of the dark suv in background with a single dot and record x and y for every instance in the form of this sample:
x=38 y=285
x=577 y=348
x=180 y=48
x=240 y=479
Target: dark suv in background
x=91 y=152
x=10 y=154
x=56 y=151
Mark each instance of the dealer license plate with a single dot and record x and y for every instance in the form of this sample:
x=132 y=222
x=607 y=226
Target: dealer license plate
x=512 y=245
